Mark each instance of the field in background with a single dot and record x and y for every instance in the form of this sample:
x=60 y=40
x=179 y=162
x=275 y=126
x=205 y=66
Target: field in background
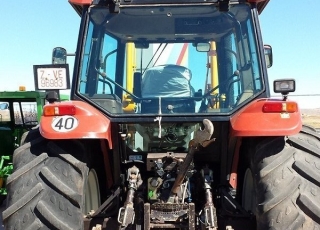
x=311 y=117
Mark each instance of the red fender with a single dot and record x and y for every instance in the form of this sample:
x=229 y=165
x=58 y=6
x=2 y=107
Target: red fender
x=253 y=121
x=86 y=123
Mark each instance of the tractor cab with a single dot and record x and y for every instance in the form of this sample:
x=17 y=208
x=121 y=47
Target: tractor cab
x=19 y=112
x=132 y=65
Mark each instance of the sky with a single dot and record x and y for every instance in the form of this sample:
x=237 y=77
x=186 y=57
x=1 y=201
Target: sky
x=31 y=29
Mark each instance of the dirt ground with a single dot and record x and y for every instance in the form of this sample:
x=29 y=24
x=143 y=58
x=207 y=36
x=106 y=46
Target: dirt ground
x=311 y=117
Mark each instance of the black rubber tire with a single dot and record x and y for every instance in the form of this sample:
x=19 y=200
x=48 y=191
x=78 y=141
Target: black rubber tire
x=30 y=135
x=2 y=199
x=287 y=181
x=46 y=189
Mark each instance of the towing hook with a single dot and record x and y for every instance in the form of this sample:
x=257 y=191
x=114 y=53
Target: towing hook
x=202 y=136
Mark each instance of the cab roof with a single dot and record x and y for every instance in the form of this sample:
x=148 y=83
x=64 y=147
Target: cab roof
x=78 y=5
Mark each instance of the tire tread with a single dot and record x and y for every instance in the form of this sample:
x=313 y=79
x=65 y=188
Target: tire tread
x=46 y=190
x=287 y=181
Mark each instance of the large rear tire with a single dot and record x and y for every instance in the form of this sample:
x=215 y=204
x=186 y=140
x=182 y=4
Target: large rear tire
x=286 y=174
x=46 y=189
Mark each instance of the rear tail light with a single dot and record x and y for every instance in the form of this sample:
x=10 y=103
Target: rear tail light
x=59 y=110
x=280 y=107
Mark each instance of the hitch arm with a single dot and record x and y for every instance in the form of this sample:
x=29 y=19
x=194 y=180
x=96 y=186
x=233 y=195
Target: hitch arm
x=201 y=138
x=126 y=213
x=210 y=215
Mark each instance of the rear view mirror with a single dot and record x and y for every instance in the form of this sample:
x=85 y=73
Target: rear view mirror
x=203 y=47
x=59 y=55
x=268 y=55
x=141 y=45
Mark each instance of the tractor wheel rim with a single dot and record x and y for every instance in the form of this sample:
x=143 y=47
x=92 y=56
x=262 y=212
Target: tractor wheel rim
x=248 y=194
x=92 y=194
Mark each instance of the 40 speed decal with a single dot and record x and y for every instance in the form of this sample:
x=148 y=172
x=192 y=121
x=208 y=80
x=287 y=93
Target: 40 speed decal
x=64 y=123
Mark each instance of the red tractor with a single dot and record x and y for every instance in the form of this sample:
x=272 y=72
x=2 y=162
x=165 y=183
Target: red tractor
x=170 y=126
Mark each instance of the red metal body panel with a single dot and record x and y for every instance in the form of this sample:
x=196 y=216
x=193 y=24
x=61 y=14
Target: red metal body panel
x=251 y=121
x=91 y=124
x=261 y=4
x=80 y=2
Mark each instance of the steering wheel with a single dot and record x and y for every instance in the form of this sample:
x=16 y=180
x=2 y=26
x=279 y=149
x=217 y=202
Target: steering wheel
x=235 y=74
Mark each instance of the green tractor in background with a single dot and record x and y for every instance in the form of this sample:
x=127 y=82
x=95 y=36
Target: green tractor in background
x=20 y=111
